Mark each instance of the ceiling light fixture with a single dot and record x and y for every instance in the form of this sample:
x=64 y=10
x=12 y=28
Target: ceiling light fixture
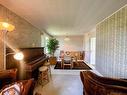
x=66 y=38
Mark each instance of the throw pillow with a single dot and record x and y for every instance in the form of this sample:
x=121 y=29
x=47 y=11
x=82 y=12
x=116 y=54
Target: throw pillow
x=22 y=87
x=13 y=89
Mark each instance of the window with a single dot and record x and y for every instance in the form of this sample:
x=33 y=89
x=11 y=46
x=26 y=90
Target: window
x=42 y=40
x=46 y=40
x=92 y=50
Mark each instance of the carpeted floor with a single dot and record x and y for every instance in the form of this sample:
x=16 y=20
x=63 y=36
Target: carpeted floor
x=79 y=66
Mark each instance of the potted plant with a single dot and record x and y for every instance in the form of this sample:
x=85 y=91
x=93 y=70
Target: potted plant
x=52 y=46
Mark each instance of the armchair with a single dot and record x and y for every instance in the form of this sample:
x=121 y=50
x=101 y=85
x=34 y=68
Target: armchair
x=97 y=85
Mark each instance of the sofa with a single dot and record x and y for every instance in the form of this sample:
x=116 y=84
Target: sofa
x=98 y=85
x=7 y=77
x=9 y=84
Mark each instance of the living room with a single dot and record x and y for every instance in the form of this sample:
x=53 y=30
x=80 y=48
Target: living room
x=98 y=34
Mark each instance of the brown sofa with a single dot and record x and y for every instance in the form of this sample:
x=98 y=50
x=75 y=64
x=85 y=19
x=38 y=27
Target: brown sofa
x=8 y=79
x=97 y=85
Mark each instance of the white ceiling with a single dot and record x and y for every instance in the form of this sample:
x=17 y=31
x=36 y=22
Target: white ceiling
x=61 y=17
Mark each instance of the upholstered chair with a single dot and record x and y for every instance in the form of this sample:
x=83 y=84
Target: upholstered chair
x=98 y=85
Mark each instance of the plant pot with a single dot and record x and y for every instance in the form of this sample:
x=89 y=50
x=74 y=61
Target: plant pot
x=52 y=60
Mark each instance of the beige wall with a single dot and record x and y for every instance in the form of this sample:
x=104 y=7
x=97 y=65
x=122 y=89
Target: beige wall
x=74 y=44
x=111 y=50
x=25 y=34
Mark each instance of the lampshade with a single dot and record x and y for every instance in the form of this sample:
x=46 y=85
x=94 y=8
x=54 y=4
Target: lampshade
x=19 y=56
x=6 y=26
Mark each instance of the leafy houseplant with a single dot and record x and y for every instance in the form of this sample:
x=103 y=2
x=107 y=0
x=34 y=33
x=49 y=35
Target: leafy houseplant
x=52 y=46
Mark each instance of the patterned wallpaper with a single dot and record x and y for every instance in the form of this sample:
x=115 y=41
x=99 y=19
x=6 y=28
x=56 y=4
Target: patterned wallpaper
x=25 y=34
x=111 y=45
